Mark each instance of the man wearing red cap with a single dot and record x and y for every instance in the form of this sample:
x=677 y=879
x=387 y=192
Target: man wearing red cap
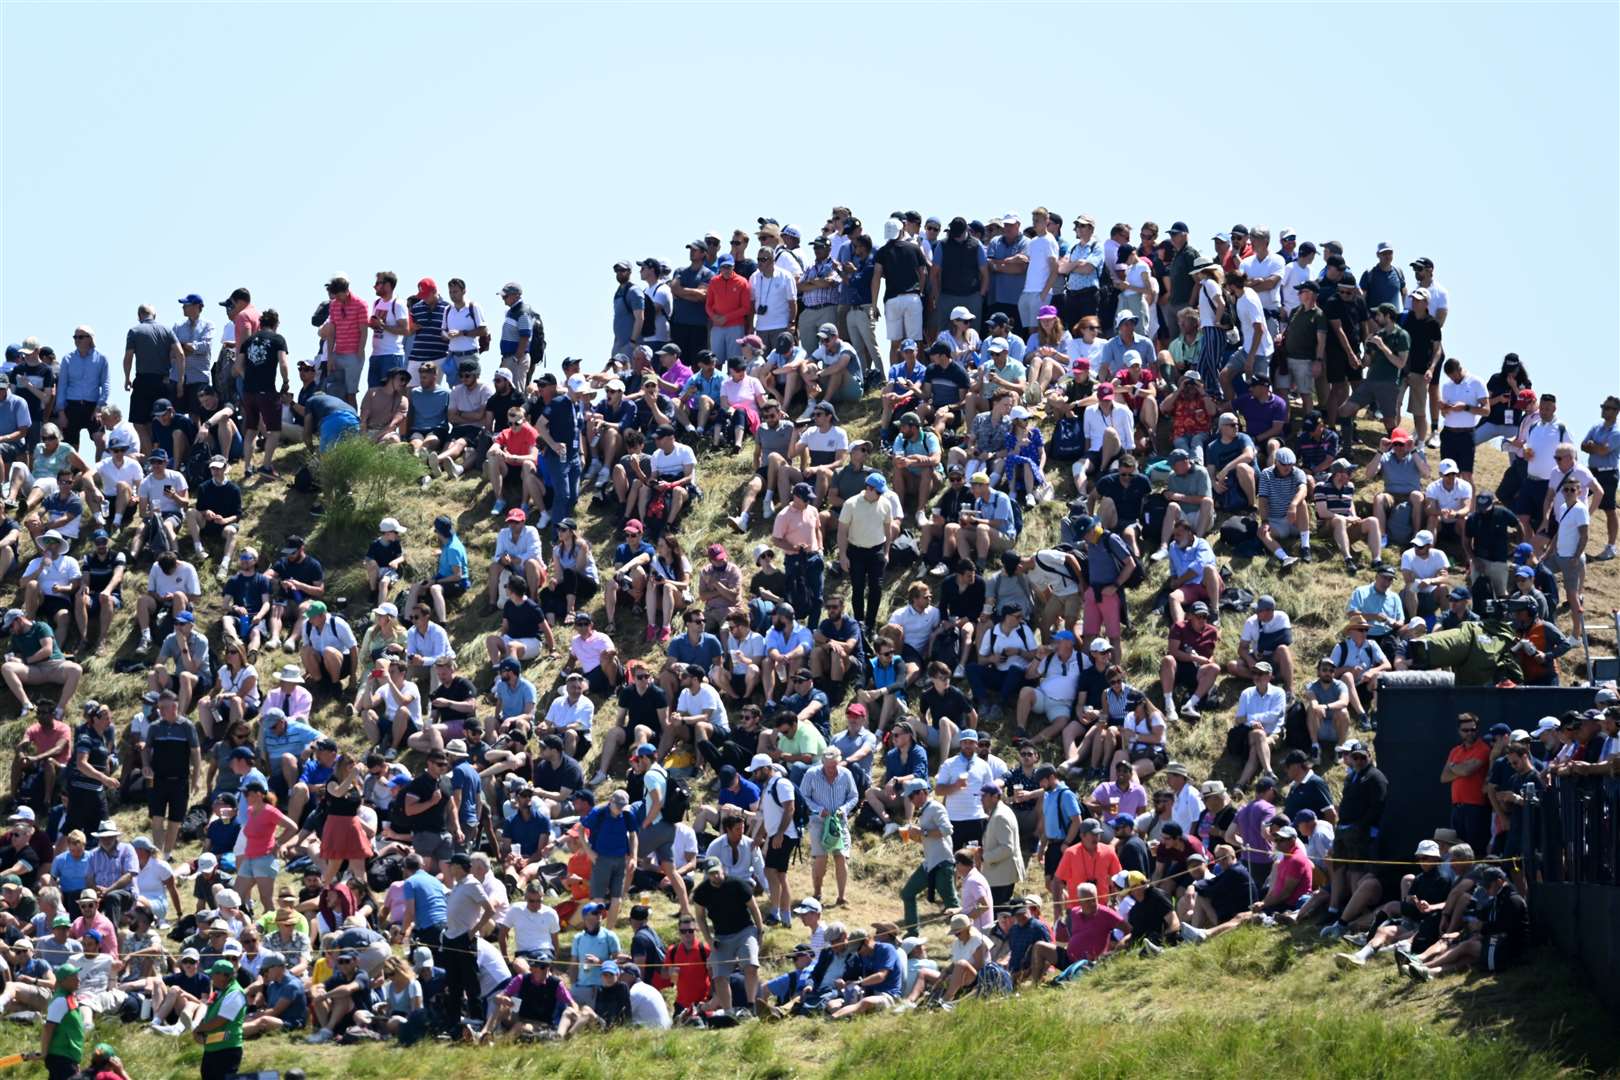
x=1406 y=474
x=428 y=342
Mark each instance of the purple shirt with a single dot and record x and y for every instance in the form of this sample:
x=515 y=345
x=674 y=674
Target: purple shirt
x=1257 y=417
x=1251 y=826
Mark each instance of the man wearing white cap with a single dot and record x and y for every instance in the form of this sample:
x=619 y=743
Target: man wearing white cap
x=1447 y=501
x=1423 y=568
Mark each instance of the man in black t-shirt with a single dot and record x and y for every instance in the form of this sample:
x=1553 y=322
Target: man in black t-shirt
x=215 y=511
x=556 y=776
x=900 y=266
x=429 y=800
x=1120 y=495
x=1307 y=790
x=261 y=361
x=643 y=708
x=729 y=919
x=298 y=578
x=943 y=710
x=1489 y=534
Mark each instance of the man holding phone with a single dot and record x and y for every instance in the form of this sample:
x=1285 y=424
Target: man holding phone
x=165 y=498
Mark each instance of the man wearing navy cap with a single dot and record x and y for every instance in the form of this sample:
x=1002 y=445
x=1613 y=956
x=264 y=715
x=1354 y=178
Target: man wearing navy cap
x=689 y=319
x=196 y=338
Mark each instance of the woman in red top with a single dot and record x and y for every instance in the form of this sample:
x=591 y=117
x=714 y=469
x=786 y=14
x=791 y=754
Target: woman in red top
x=260 y=844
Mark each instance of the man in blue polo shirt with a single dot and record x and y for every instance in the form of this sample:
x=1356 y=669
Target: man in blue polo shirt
x=559 y=448
x=425 y=906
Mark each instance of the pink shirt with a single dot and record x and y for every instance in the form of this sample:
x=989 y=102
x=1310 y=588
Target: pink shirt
x=1089 y=934
x=1293 y=873
x=975 y=889
x=101 y=925
x=798 y=527
x=739 y=393
x=588 y=650
x=259 y=831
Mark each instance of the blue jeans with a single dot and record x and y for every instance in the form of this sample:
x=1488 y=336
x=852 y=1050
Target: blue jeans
x=990 y=684
x=806 y=576
x=562 y=480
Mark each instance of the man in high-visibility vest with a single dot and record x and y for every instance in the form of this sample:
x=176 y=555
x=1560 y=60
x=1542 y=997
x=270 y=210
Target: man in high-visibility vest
x=62 y=1039
x=219 y=1032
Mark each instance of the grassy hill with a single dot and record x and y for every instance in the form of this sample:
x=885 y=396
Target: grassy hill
x=1252 y=1003
x=1328 y=1024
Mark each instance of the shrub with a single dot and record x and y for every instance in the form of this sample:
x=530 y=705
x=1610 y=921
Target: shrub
x=359 y=479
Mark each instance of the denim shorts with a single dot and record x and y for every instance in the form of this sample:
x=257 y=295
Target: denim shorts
x=260 y=866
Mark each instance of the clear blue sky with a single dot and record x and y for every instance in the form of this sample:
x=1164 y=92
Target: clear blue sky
x=153 y=150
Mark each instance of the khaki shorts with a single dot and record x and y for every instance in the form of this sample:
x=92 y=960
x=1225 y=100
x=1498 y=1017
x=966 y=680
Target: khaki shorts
x=49 y=671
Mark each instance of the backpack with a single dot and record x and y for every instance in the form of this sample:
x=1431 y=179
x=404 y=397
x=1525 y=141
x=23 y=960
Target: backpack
x=384 y=871
x=801 y=809
x=195 y=823
x=677 y=799
x=483 y=331
x=1068 y=440
x=195 y=467
x=903 y=552
x=1241 y=535
x=154 y=541
x=1236 y=598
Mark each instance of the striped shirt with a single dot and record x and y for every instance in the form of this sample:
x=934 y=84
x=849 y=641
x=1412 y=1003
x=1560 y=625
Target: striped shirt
x=1278 y=490
x=429 y=342
x=518 y=324
x=348 y=318
x=825 y=270
x=1339 y=502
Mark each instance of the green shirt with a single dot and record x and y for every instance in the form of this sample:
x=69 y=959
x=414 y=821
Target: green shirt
x=805 y=740
x=67 y=1041
x=1381 y=370
x=29 y=643
x=228 y=1037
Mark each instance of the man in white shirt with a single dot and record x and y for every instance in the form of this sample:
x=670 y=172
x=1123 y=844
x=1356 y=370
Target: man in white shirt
x=1423 y=568
x=1041 y=275
x=164 y=496
x=1109 y=430
x=389 y=323
x=1447 y=500
x=1265 y=272
x=49 y=582
x=1573 y=522
x=1539 y=438
x=569 y=716
x=1464 y=402
x=120 y=475
x=647 y=1006
x=533 y=925
x=776 y=296
x=959 y=781
x=1254 y=334
x=1439 y=298
x=1296 y=272
x=1261 y=707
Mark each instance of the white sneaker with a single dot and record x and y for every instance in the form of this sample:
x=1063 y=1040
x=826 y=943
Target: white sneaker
x=770 y=505
x=199 y=551
x=890 y=829
x=223 y=573
x=808 y=415
x=922 y=519
x=1045 y=493
x=321 y=1036
x=959 y=673
x=740 y=522
x=544 y=519
x=1159 y=556
x=1606 y=554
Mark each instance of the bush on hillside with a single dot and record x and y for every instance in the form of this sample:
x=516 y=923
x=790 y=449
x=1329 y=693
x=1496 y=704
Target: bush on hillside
x=359 y=479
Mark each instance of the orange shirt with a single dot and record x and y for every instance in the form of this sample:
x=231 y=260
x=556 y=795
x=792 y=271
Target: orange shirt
x=1079 y=865
x=729 y=302
x=1470 y=790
